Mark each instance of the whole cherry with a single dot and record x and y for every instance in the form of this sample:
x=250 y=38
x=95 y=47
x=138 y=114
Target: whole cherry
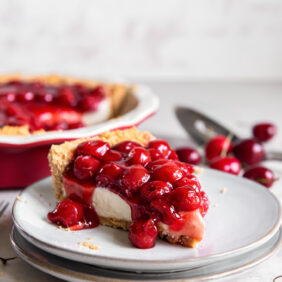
x=139 y=155
x=167 y=172
x=217 y=146
x=154 y=189
x=90 y=103
x=161 y=146
x=126 y=146
x=133 y=177
x=264 y=131
x=185 y=198
x=67 y=213
x=188 y=155
x=261 y=174
x=143 y=233
x=26 y=96
x=172 y=155
x=193 y=183
x=95 y=148
x=67 y=96
x=108 y=174
x=85 y=167
x=227 y=164
x=112 y=156
x=155 y=154
x=249 y=151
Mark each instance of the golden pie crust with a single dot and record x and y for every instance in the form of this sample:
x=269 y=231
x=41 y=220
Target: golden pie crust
x=60 y=156
x=114 y=92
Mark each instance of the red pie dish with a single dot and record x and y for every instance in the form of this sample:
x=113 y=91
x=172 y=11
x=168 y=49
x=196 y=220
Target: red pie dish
x=36 y=112
x=128 y=179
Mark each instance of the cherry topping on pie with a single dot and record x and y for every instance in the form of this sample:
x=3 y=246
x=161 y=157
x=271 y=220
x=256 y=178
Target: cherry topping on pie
x=143 y=234
x=158 y=187
x=85 y=166
x=67 y=213
x=48 y=107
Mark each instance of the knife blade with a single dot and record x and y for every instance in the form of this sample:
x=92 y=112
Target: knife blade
x=201 y=128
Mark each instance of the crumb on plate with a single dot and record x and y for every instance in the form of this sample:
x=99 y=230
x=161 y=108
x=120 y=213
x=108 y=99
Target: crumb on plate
x=62 y=228
x=198 y=170
x=18 y=198
x=89 y=245
x=224 y=190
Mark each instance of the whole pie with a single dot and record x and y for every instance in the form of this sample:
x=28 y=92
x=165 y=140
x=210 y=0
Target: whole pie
x=44 y=103
x=128 y=179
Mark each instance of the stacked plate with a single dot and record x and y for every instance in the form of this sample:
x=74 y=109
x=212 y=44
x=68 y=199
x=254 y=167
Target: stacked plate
x=242 y=230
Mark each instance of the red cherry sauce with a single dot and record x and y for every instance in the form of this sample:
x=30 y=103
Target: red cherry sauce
x=47 y=107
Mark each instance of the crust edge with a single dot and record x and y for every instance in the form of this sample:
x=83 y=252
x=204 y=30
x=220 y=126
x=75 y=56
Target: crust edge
x=182 y=240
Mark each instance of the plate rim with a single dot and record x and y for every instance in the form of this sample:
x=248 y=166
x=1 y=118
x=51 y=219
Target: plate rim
x=217 y=256
x=43 y=265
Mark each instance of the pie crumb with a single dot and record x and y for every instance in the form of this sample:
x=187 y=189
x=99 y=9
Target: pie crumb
x=18 y=198
x=89 y=245
x=198 y=170
x=62 y=228
x=89 y=238
x=224 y=190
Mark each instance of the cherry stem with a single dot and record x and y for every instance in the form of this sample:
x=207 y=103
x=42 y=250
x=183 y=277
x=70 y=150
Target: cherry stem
x=225 y=145
x=5 y=260
x=266 y=181
x=210 y=132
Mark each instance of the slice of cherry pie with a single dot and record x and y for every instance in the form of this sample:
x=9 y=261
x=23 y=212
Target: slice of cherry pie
x=44 y=103
x=128 y=179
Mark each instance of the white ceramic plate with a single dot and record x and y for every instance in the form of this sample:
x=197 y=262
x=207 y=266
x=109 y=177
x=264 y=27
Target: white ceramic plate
x=76 y=271
x=241 y=219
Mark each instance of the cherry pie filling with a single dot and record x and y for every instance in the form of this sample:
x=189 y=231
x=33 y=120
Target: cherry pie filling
x=48 y=107
x=158 y=188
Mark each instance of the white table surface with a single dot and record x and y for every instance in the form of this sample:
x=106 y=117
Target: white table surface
x=239 y=106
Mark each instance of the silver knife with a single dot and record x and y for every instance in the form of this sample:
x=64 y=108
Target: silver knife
x=201 y=127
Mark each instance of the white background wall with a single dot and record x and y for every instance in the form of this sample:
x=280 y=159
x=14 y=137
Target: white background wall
x=200 y=39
